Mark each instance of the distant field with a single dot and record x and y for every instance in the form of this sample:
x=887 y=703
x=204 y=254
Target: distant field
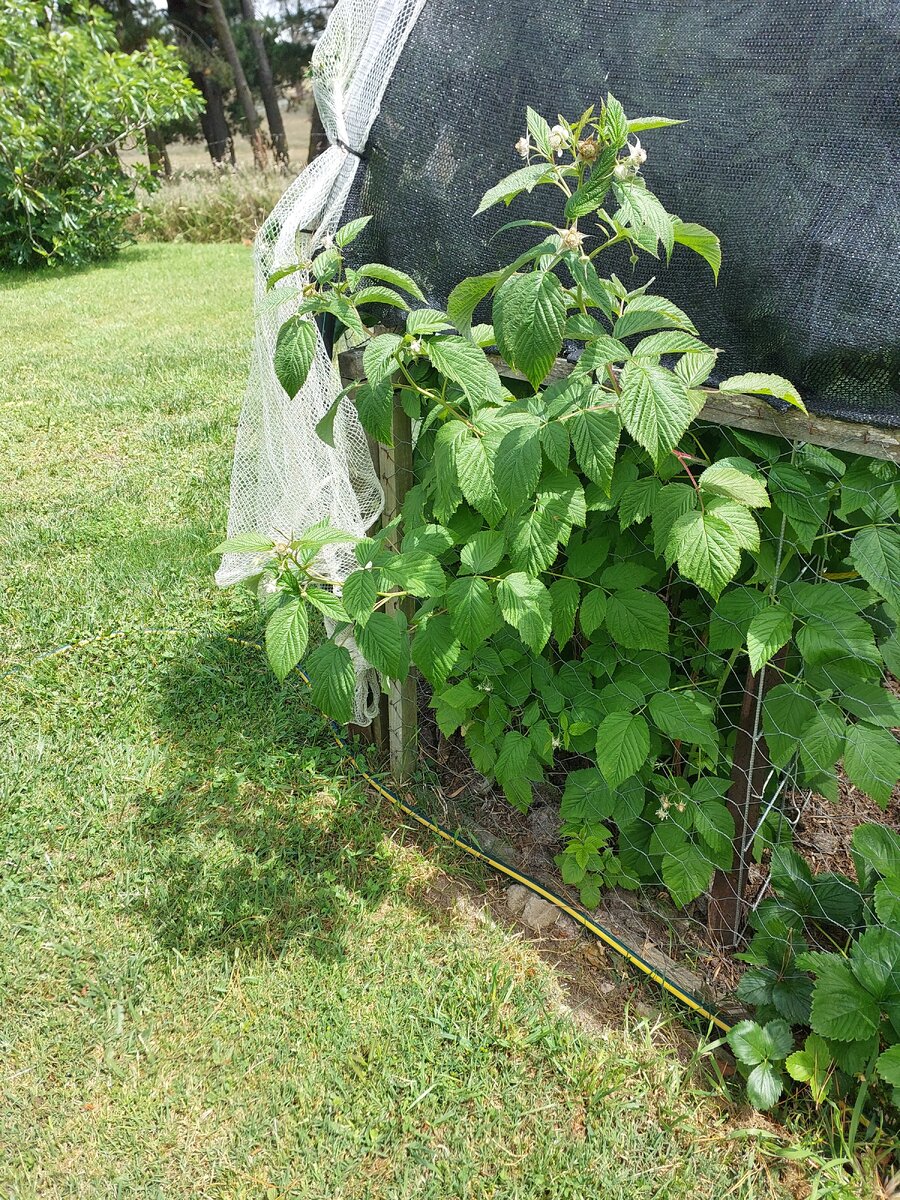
x=193 y=156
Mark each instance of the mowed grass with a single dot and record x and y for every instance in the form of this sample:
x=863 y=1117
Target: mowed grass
x=219 y=973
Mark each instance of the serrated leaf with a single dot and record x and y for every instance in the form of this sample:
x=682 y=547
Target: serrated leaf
x=523 y=180
x=875 y=552
x=823 y=739
x=295 y=348
x=878 y=847
x=701 y=240
x=593 y=611
x=332 y=681
x=525 y=604
x=642 y=210
x=435 y=649
x=483 y=552
x=392 y=276
x=554 y=438
x=359 y=594
x=245 y=543
x=377 y=294
x=638 y=501
x=379 y=357
x=472 y=612
x=467 y=295
x=888 y=1065
x=351 y=231
x=529 y=322
x=721 y=480
x=758 y=383
x=465 y=364
x=872 y=761
x=670 y=341
x=841 y=1008
x=422 y=321
x=686 y=874
x=595 y=438
x=654 y=406
x=384 y=642
x=590 y=196
x=706 y=548
x=646 y=312
x=638 y=620
x=685 y=718
x=565 y=595
x=517 y=465
x=416 y=571
x=375 y=406
x=764 y=1086
x=327 y=603
x=623 y=743
x=287 y=634
x=639 y=124
x=769 y=630
x=671 y=502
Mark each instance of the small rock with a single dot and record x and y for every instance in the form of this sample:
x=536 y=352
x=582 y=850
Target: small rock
x=593 y=952
x=494 y=846
x=566 y=928
x=606 y=986
x=538 y=914
x=544 y=825
x=516 y=898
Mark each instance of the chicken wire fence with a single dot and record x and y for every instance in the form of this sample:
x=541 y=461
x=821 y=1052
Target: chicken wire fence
x=684 y=860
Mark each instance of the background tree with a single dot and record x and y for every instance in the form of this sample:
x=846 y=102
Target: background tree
x=266 y=83
x=245 y=96
x=68 y=96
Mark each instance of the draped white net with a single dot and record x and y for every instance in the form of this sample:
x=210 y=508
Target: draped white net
x=285 y=478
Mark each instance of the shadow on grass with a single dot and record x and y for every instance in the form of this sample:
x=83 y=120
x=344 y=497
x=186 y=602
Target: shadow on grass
x=12 y=278
x=265 y=838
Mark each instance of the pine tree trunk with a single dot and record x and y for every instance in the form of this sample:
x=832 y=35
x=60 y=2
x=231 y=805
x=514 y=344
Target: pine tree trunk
x=266 y=85
x=245 y=96
x=213 y=121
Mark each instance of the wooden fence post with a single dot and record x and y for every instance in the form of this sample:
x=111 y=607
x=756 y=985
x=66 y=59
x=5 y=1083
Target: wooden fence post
x=396 y=470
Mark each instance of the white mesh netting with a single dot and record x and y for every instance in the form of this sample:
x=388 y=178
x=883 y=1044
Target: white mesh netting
x=285 y=478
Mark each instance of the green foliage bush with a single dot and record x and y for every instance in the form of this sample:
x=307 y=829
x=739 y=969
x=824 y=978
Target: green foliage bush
x=67 y=96
x=586 y=573
x=207 y=206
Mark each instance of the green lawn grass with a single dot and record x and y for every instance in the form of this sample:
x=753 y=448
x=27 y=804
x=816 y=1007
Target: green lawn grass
x=219 y=974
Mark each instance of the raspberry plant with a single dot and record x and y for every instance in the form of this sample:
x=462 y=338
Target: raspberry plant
x=594 y=573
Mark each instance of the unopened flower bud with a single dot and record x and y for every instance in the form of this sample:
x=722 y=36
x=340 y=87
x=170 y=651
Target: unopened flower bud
x=623 y=170
x=327 y=241
x=523 y=147
x=281 y=549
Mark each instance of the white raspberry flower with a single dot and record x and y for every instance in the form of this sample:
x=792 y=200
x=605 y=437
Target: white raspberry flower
x=523 y=147
x=637 y=155
x=327 y=241
x=416 y=346
x=281 y=549
x=661 y=814
x=559 y=136
x=623 y=170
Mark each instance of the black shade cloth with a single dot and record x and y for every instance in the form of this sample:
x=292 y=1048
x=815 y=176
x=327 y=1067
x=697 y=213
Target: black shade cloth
x=789 y=154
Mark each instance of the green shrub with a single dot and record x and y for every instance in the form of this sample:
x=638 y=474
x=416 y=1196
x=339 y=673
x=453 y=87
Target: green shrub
x=67 y=98
x=208 y=206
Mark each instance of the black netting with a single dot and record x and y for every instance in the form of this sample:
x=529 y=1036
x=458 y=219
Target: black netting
x=789 y=155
